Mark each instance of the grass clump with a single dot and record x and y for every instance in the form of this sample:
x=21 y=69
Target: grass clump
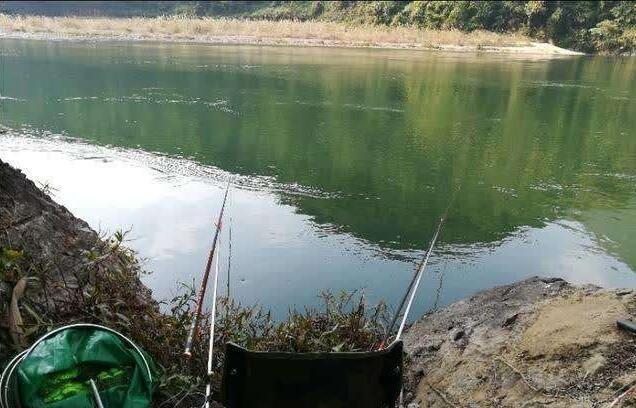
x=344 y=322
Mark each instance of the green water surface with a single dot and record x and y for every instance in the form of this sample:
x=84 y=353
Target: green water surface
x=368 y=146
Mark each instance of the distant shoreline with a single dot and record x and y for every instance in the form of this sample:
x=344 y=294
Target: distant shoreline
x=271 y=33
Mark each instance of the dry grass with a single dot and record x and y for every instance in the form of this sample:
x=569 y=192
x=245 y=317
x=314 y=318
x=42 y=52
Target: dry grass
x=228 y=30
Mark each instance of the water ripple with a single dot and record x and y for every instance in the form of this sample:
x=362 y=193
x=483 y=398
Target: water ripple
x=28 y=138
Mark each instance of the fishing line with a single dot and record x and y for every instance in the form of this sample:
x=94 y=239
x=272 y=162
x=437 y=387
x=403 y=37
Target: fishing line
x=438 y=292
x=409 y=296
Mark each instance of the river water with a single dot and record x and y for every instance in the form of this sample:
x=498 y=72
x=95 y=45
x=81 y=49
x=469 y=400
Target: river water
x=343 y=160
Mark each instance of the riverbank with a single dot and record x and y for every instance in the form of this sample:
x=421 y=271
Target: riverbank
x=535 y=342
x=284 y=32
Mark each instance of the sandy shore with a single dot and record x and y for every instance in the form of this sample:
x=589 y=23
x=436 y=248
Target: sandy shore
x=279 y=33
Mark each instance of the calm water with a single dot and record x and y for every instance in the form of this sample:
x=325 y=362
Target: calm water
x=345 y=161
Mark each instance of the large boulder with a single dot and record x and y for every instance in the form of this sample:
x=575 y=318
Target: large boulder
x=532 y=343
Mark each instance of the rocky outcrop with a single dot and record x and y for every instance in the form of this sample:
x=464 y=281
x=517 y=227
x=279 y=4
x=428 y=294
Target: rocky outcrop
x=534 y=343
x=30 y=219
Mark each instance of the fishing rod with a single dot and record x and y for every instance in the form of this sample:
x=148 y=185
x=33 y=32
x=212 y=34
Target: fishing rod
x=229 y=258
x=415 y=282
x=204 y=281
x=208 y=387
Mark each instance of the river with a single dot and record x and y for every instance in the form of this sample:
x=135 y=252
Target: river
x=343 y=161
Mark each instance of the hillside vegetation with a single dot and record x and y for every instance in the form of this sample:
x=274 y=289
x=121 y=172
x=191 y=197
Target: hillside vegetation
x=589 y=26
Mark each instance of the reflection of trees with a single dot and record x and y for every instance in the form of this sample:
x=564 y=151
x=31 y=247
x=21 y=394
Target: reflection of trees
x=393 y=135
x=614 y=229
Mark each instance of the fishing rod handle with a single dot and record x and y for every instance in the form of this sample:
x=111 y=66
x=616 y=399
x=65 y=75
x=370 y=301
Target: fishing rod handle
x=200 y=298
x=197 y=313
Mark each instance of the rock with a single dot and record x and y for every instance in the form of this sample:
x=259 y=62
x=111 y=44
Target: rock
x=457 y=334
x=527 y=344
x=552 y=280
x=508 y=321
x=459 y=337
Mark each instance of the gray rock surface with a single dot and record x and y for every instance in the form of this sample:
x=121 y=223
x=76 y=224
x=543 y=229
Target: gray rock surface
x=533 y=343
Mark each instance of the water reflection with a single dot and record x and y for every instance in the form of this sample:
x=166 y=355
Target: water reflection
x=281 y=258
x=348 y=157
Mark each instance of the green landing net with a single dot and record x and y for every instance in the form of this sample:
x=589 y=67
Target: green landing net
x=56 y=372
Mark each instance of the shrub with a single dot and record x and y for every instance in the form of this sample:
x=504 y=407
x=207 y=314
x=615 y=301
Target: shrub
x=609 y=37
